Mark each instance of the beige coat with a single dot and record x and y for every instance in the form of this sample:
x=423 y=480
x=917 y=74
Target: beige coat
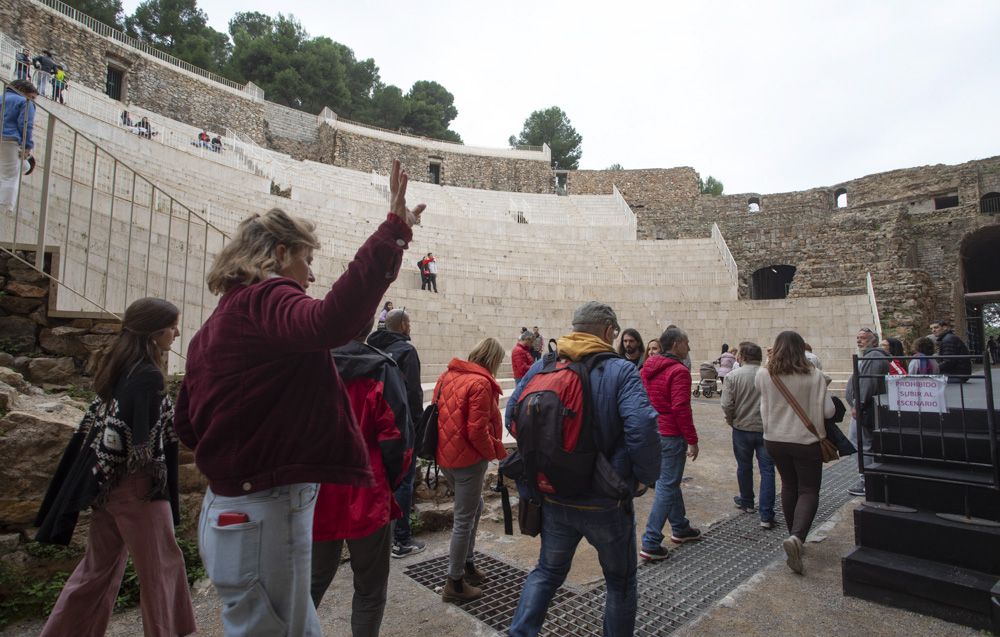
x=781 y=424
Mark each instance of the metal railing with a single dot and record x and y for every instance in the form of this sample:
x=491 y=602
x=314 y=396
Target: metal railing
x=100 y=28
x=113 y=235
x=727 y=256
x=909 y=433
x=870 y=287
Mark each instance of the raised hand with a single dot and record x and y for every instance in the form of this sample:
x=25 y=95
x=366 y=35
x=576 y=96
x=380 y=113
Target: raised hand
x=397 y=196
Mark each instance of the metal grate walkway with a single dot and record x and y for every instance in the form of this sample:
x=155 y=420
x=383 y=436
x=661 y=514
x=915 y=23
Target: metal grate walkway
x=671 y=593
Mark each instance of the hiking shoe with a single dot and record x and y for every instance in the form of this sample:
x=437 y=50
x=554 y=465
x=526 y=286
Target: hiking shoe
x=738 y=501
x=793 y=551
x=473 y=575
x=407 y=549
x=858 y=489
x=689 y=534
x=457 y=591
x=654 y=554
x=767 y=525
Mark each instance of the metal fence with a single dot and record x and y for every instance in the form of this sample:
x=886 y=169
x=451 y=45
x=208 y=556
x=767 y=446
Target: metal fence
x=112 y=235
x=938 y=428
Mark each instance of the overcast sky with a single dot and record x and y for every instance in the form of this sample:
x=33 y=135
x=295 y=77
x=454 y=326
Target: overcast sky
x=765 y=96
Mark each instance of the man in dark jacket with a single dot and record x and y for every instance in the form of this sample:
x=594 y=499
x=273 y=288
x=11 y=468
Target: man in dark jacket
x=46 y=69
x=361 y=516
x=625 y=432
x=872 y=368
x=957 y=369
x=394 y=340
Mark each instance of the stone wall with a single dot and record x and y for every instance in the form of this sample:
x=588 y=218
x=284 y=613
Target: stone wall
x=150 y=83
x=467 y=170
x=655 y=195
x=890 y=227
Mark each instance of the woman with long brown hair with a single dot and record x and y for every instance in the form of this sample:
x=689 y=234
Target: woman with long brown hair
x=122 y=462
x=792 y=392
x=470 y=434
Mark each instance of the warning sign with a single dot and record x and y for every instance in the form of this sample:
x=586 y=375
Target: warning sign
x=917 y=393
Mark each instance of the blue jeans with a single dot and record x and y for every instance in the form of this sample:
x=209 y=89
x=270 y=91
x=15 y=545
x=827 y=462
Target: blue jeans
x=668 y=501
x=262 y=568
x=745 y=445
x=612 y=533
x=401 y=533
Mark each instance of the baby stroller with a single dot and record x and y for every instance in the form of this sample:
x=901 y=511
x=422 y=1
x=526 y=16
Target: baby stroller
x=709 y=378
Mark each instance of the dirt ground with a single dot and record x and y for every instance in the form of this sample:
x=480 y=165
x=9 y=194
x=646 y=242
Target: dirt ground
x=774 y=601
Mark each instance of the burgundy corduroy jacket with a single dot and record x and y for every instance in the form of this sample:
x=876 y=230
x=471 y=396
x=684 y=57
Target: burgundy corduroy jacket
x=262 y=404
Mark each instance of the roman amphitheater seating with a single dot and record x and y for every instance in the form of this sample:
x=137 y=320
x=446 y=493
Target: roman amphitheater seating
x=506 y=259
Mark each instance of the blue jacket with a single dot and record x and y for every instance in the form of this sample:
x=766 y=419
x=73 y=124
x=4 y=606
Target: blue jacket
x=624 y=423
x=14 y=113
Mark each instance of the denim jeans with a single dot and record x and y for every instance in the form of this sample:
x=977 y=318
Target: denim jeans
x=261 y=568
x=745 y=445
x=612 y=533
x=401 y=533
x=668 y=501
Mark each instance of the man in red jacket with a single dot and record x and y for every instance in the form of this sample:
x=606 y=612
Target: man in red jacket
x=362 y=515
x=521 y=357
x=668 y=383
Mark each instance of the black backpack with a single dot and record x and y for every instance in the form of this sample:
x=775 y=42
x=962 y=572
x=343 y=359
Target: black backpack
x=553 y=424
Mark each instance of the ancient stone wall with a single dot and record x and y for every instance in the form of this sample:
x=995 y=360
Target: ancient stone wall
x=463 y=169
x=152 y=84
x=655 y=195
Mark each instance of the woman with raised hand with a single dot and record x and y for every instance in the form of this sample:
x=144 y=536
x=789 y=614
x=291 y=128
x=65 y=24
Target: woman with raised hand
x=794 y=405
x=469 y=436
x=122 y=462
x=266 y=413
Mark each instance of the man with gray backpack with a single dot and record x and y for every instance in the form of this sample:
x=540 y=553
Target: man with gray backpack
x=587 y=443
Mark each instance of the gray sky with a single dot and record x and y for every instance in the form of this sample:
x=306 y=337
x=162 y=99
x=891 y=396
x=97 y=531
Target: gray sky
x=765 y=96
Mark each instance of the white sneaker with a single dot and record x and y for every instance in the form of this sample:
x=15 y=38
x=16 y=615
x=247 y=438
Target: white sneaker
x=793 y=551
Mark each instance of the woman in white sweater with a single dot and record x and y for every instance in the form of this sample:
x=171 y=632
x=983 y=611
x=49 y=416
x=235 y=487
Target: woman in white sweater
x=793 y=447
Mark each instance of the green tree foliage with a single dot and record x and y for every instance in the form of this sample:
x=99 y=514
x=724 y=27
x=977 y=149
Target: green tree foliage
x=107 y=11
x=430 y=108
x=307 y=73
x=180 y=28
x=710 y=186
x=551 y=126
x=616 y=166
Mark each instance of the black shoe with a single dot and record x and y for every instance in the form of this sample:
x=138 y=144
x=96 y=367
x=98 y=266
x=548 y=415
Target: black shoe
x=689 y=534
x=654 y=555
x=858 y=489
x=738 y=501
x=407 y=549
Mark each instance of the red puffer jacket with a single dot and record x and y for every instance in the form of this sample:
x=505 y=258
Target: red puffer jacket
x=668 y=384
x=521 y=360
x=469 y=428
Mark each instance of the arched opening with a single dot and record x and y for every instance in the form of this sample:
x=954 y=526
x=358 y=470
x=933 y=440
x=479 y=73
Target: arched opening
x=840 y=197
x=980 y=258
x=753 y=204
x=771 y=282
x=989 y=204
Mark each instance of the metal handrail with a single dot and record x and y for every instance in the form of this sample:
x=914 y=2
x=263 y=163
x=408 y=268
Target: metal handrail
x=727 y=256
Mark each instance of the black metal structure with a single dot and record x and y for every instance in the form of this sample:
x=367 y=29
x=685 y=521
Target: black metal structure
x=928 y=534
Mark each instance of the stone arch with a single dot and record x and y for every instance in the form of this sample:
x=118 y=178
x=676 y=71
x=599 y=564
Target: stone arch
x=771 y=282
x=840 y=197
x=989 y=203
x=753 y=204
x=979 y=256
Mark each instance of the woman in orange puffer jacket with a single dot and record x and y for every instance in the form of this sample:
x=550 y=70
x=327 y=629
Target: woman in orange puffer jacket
x=469 y=436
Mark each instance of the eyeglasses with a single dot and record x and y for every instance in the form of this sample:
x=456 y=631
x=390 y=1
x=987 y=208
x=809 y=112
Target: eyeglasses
x=618 y=330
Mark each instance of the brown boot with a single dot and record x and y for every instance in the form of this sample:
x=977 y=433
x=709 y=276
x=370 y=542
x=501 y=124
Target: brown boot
x=473 y=575
x=456 y=591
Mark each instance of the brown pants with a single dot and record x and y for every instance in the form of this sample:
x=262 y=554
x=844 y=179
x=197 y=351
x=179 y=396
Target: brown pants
x=127 y=525
x=801 y=471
